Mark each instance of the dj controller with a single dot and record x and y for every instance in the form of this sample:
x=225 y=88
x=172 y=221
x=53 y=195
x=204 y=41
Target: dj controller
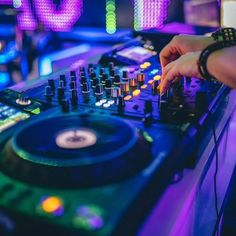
x=89 y=149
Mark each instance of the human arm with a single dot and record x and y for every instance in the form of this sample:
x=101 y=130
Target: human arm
x=221 y=64
x=182 y=44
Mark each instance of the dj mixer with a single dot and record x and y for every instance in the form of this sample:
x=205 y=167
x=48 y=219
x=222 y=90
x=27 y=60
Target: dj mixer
x=89 y=149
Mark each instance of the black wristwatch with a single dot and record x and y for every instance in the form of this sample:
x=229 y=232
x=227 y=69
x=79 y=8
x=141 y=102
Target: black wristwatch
x=225 y=35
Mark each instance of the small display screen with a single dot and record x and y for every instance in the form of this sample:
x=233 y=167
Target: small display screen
x=136 y=53
x=10 y=116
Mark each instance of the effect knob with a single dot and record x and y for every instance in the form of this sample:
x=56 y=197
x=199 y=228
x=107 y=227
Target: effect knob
x=51 y=83
x=133 y=82
x=124 y=87
x=48 y=92
x=141 y=78
x=104 y=78
x=117 y=80
x=73 y=85
x=115 y=92
x=111 y=66
x=63 y=78
x=73 y=73
x=85 y=88
x=95 y=82
x=148 y=107
x=99 y=90
x=121 y=102
x=82 y=69
x=65 y=108
x=60 y=93
x=74 y=96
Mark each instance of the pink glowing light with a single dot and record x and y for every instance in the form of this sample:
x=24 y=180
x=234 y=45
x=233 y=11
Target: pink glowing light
x=150 y=13
x=2 y=2
x=25 y=18
x=58 y=18
x=55 y=17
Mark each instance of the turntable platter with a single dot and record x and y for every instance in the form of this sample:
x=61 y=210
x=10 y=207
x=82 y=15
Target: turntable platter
x=72 y=150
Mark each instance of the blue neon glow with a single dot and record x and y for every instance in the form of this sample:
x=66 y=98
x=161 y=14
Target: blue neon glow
x=153 y=72
x=9 y=53
x=45 y=64
x=4 y=79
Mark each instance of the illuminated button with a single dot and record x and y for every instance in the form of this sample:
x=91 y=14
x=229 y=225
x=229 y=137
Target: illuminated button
x=103 y=101
x=154 y=53
x=89 y=218
x=143 y=66
x=106 y=105
x=111 y=102
x=157 y=77
x=150 y=81
x=155 y=71
x=148 y=137
x=52 y=206
x=127 y=98
x=151 y=47
x=98 y=104
x=144 y=86
x=23 y=101
x=147 y=64
x=136 y=92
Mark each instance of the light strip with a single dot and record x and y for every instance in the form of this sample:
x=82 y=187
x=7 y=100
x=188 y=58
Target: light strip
x=150 y=13
x=110 y=16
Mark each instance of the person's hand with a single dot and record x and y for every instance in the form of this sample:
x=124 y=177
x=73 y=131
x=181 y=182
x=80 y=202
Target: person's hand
x=185 y=65
x=181 y=44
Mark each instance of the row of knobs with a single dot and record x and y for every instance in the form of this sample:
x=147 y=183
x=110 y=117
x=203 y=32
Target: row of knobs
x=113 y=86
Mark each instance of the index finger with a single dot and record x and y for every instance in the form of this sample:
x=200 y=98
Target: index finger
x=168 y=54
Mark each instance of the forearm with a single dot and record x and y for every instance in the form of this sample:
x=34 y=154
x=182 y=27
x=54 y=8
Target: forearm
x=222 y=65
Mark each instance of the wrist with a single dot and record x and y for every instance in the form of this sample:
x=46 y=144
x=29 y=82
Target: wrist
x=211 y=50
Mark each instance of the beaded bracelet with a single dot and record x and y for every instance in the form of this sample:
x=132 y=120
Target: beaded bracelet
x=202 y=63
x=224 y=34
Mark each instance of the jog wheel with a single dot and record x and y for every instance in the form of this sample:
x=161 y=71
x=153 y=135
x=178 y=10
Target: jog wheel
x=75 y=151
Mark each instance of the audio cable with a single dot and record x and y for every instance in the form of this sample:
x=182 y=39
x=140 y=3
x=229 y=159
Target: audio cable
x=215 y=173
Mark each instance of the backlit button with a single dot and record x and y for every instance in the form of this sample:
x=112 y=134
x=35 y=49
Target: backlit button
x=127 y=98
x=89 y=218
x=136 y=92
x=23 y=101
x=106 y=105
x=143 y=66
x=51 y=206
x=155 y=71
x=98 y=104
x=111 y=102
x=103 y=101
x=147 y=64
x=144 y=86
x=150 y=81
x=157 y=77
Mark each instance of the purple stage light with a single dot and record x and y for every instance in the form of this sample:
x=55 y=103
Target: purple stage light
x=2 y=2
x=58 y=17
x=150 y=13
x=26 y=20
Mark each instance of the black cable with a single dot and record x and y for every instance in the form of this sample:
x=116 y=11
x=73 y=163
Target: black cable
x=215 y=175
